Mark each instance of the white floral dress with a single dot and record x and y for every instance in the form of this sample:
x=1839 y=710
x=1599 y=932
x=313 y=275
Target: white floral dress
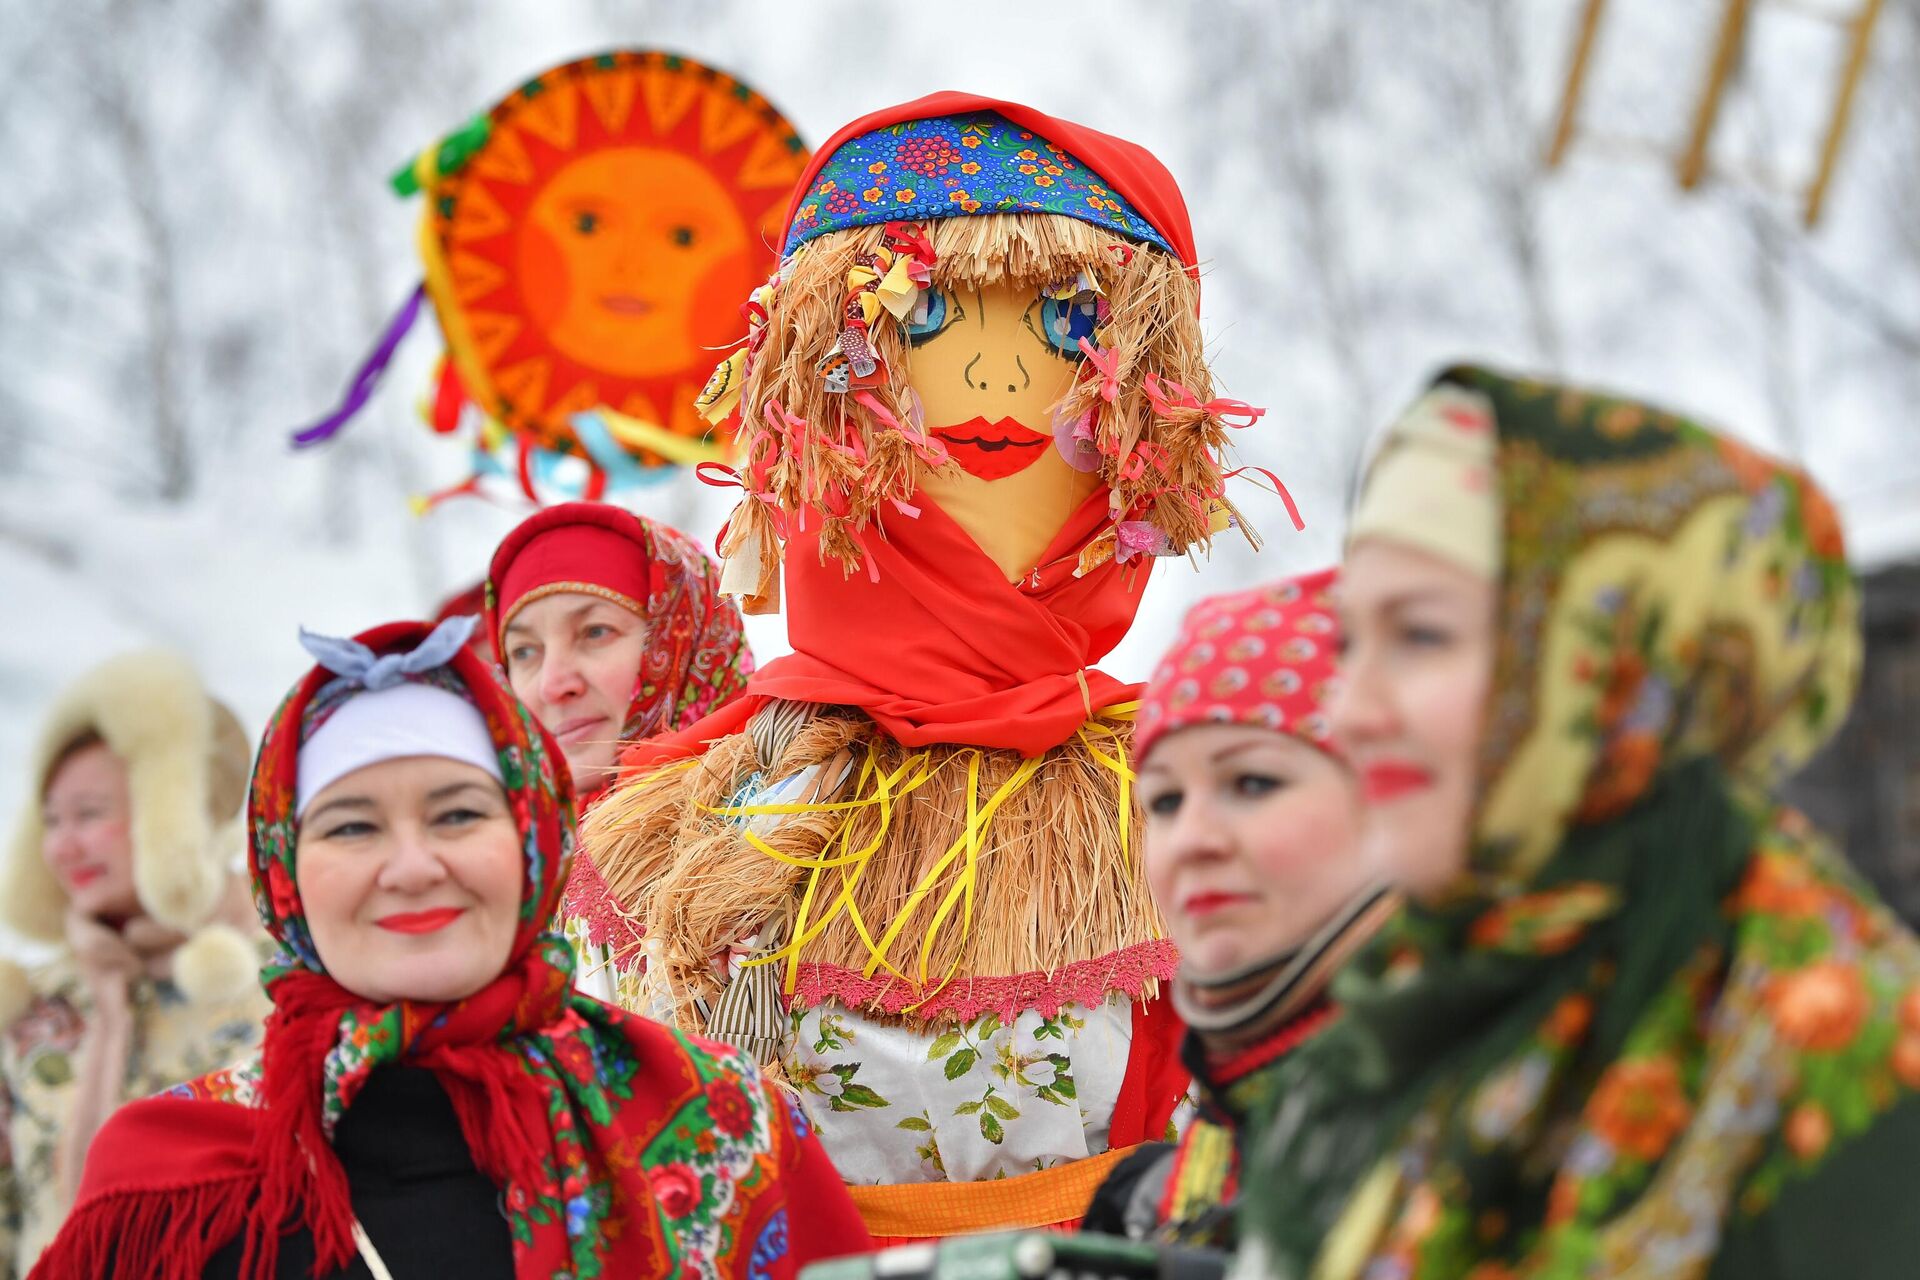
x=173 y=1040
x=990 y=1098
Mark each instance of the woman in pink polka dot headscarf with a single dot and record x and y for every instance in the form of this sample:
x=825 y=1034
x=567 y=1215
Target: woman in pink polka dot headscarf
x=1252 y=816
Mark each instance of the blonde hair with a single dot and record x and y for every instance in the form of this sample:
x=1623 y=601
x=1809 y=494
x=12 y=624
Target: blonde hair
x=849 y=459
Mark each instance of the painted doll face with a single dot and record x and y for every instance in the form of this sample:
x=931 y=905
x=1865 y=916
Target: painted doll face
x=988 y=378
x=630 y=257
x=411 y=872
x=1414 y=685
x=1250 y=842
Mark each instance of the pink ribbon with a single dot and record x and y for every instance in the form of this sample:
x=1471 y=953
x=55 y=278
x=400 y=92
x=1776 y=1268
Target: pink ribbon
x=931 y=449
x=1139 y=537
x=1292 y=510
x=1142 y=454
x=1165 y=395
x=1105 y=362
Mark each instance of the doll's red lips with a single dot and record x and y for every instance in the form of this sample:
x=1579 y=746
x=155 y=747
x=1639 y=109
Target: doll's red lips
x=625 y=304
x=81 y=877
x=993 y=450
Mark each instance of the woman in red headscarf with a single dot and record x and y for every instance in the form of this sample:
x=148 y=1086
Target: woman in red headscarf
x=973 y=405
x=611 y=628
x=1252 y=850
x=432 y=1097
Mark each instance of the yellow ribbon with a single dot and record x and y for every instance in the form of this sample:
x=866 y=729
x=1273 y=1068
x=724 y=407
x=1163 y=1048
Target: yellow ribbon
x=912 y=773
x=874 y=789
x=898 y=291
x=684 y=450
x=722 y=393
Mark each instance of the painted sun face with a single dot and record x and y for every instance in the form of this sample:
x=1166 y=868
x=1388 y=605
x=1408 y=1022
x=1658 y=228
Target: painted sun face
x=631 y=258
x=988 y=380
x=592 y=253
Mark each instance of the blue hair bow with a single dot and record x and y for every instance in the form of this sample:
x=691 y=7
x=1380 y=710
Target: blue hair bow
x=359 y=668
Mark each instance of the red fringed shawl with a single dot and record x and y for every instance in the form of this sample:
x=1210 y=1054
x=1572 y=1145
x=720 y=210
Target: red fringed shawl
x=624 y=1148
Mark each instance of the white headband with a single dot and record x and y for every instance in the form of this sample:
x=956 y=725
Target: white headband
x=395 y=723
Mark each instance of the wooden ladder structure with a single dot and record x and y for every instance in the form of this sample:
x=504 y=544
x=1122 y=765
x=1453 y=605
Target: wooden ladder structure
x=1690 y=165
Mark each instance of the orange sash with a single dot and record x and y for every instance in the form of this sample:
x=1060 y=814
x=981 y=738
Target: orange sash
x=927 y=1210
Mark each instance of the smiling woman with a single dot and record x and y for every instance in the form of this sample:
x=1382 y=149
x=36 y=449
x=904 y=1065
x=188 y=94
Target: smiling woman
x=409 y=863
x=1251 y=849
x=124 y=867
x=433 y=1098
x=1638 y=1018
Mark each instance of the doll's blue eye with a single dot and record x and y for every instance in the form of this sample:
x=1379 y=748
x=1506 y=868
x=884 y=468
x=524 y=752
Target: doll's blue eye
x=1064 y=321
x=929 y=316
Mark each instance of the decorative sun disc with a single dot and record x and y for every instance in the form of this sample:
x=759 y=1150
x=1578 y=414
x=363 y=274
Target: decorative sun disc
x=591 y=252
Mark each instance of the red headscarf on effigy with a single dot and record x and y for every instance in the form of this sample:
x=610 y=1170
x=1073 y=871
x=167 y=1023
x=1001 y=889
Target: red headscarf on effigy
x=933 y=643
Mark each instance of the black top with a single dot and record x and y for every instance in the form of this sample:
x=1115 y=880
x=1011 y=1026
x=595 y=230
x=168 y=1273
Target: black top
x=427 y=1209
x=1127 y=1202
x=1229 y=1094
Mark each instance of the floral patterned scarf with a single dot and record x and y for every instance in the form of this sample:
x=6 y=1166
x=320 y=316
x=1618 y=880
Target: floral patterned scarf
x=623 y=1148
x=696 y=662
x=697 y=658
x=1660 y=1030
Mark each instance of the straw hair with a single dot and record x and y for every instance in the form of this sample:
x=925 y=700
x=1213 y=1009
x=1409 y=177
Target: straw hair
x=1054 y=884
x=850 y=460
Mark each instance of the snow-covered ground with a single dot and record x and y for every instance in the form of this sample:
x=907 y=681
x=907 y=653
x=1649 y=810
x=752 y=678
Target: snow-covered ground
x=1362 y=177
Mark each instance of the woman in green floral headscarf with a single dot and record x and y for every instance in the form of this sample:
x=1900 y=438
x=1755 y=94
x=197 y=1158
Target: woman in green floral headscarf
x=1641 y=1020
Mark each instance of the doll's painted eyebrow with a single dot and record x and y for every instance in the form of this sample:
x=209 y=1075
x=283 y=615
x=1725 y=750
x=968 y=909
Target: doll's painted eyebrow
x=982 y=317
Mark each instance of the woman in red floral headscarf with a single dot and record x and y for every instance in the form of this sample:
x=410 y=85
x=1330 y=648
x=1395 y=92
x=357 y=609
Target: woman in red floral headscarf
x=432 y=1096
x=611 y=628
x=1252 y=849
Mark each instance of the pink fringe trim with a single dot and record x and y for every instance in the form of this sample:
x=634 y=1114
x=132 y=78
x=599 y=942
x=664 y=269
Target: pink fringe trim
x=1127 y=972
x=588 y=900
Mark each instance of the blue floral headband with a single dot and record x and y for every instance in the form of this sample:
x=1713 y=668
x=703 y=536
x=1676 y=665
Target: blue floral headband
x=955 y=166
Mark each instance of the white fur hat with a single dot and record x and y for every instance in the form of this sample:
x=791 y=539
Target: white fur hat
x=187 y=762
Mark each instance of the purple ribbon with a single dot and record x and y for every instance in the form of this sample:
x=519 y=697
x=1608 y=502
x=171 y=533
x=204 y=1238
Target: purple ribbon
x=368 y=377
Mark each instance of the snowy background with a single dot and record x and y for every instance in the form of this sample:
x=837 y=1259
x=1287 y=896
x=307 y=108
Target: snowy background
x=197 y=246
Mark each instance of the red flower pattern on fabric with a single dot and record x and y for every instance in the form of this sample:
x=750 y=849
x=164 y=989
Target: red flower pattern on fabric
x=728 y=1106
x=676 y=1189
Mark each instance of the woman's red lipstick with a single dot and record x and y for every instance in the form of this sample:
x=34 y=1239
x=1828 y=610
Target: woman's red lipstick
x=1205 y=904
x=1391 y=779
x=421 y=921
